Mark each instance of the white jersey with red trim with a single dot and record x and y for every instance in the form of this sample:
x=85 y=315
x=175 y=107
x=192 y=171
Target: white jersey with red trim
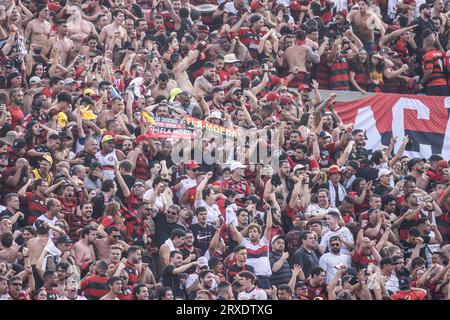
x=108 y=162
x=258 y=256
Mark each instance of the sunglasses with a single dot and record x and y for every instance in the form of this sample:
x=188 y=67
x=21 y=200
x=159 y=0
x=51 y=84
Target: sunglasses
x=17 y=284
x=172 y=213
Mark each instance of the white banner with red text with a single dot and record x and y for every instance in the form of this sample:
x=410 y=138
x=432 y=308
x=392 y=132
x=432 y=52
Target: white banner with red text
x=424 y=119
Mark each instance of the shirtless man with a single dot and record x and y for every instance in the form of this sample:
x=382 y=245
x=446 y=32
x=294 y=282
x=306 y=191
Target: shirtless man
x=115 y=287
x=8 y=248
x=180 y=67
x=117 y=105
x=364 y=23
x=62 y=42
x=297 y=57
x=91 y=48
x=437 y=12
x=164 y=86
x=38 y=30
x=114 y=29
x=36 y=247
x=103 y=246
x=79 y=29
x=84 y=248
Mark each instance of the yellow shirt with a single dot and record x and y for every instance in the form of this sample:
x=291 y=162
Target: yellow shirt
x=37 y=176
x=377 y=76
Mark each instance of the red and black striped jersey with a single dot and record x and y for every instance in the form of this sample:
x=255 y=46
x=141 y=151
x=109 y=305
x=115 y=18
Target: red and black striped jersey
x=340 y=78
x=35 y=207
x=434 y=60
x=94 y=287
x=250 y=40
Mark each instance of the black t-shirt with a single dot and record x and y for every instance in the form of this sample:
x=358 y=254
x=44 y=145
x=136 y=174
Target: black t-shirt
x=98 y=205
x=186 y=253
x=163 y=229
x=409 y=248
x=172 y=281
x=129 y=181
x=5 y=129
x=202 y=236
x=421 y=26
x=382 y=190
x=234 y=269
x=368 y=173
x=39 y=148
x=9 y=214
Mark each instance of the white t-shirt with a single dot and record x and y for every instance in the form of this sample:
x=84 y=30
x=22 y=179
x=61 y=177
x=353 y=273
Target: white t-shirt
x=255 y=294
x=329 y=260
x=315 y=210
x=348 y=236
x=213 y=211
x=50 y=222
x=186 y=183
x=77 y=298
x=258 y=256
x=159 y=201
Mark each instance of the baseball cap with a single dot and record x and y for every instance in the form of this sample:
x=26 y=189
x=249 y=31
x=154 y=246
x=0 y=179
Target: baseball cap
x=68 y=81
x=233 y=70
x=424 y=6
x=192 y=164
x=334 y=169
x=442 y=164
x=64 y=239
x=173 y=93
x=40 y=226
x=202 y=261
x=107 y=137
x=256 y=4
x=12 y=75
x=384 y=172
x=299 y=167
x=324 y=134
x=273 y=96
x=47 y=158
x=142 y=137
x=403 y=283
x=304 y=86
x=34 y=80
x=10 y=63
x=203 y=28
x=275 y=238
x=19 y=143
x=236 y=90
x=237 y=165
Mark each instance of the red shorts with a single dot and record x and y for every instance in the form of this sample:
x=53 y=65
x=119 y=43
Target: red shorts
x=299 y=78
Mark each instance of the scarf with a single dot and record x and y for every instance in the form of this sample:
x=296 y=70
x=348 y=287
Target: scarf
x=341 y=193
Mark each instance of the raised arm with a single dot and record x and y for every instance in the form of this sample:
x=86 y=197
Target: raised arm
x=202 y=185
x=125 y=190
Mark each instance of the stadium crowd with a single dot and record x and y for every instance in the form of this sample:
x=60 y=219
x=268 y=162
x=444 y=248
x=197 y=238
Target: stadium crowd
x=95 y=205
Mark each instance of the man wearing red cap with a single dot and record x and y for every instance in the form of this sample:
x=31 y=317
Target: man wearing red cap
x=188 y=180
x=337 y=190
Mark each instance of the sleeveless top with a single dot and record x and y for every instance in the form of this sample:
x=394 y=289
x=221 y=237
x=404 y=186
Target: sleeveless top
x=108 y=162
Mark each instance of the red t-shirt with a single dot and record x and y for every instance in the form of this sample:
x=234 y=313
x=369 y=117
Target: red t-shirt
x=16 y=115
x=409 y=295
